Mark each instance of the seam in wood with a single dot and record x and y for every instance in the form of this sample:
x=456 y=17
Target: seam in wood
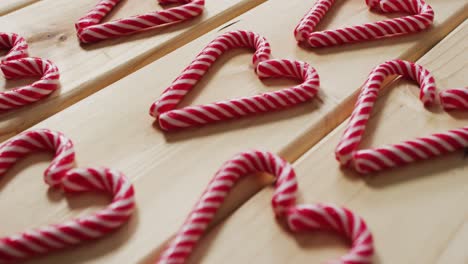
x=8 y=11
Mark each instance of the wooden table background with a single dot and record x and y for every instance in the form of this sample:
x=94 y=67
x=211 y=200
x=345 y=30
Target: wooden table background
x=416 y=213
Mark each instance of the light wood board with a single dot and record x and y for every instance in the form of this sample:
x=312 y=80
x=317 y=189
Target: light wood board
x=113 y=128
x=417 y=213
x=48 y=26
x=7 y=6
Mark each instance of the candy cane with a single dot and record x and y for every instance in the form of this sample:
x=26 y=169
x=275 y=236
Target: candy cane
x=204 y=211
x=61 y=174
x=454 y=99
x=422 y=17
x=17 y=46
x=329 y=217
x=369 y=160
x=28 y=67
x=170 y=118
x=89 y=29
x=16 y=64
x=283 y=203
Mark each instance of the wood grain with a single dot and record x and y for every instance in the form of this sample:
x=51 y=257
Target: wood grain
x=113 y=128
x=416 y=213
x=7 y=6
x=48 y=26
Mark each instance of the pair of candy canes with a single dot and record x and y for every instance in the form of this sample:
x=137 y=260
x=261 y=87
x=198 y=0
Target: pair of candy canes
x=299 y=218
x=90 y=29
x=421 y=17
x=16 y=64
x=371 y=160
x=62 y=174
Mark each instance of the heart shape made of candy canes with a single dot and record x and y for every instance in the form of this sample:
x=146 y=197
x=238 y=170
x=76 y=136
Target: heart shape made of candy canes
x=61 y=174
x=90 y=29
x=422 y=17
x=17 y=65
x=376 y=159
x=299 y=217
x=170 y=118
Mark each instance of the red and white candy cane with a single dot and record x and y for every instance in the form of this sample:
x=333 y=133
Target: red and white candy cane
x=329 y=217
x=454 y=99
x=422 y=17
x=28 y=67
x=89 y=28
x=61 y=174
x=15 y=44
x=16 y=65
x=301 y=217
x=170 y=118
x=370 y=160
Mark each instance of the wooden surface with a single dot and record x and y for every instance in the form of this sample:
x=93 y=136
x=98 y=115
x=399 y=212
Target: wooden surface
x=48 y=26
x=113 y=128
x=7 y=6
x=417 y=213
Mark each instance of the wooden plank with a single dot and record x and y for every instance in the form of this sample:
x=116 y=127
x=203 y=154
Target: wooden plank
x=49 y=29
x=455 y=251
x=416 y=213
x=113 y=128
x=7 y=6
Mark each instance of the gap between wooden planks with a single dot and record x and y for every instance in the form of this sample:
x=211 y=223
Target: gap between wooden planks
x=417 y=213
x=112 y=128
x=8 y=6
x=48 y=26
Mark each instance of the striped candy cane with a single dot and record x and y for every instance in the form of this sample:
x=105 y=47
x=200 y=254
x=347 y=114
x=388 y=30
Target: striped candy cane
x=15 y=44
x=170 y=118
x=370 y=160
x=16 y=65
x=454 y=99
x=283 y=202
x=28 y=67
x=329 y=217
x=204 y=211
x=90 y=30
x=61 y=174
x=422 y=17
